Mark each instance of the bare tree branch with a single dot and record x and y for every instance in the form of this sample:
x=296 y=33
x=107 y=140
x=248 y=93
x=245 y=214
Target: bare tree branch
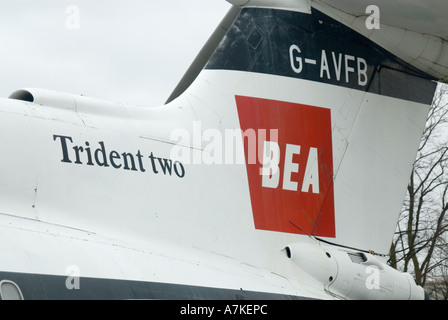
x=420 y=245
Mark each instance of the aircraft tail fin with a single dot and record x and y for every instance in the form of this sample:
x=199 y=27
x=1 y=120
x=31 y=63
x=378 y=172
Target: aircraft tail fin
x=337 y=118
x=204 y=55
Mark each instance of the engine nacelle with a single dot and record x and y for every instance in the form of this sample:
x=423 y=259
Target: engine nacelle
x=78 y=104
x=46 y=97
x=354 y=275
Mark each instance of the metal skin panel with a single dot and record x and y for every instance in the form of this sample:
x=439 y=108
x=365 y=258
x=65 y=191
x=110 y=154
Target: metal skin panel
x=413 y=30
x=419 y=16
x=364 y=113
x=152 y=195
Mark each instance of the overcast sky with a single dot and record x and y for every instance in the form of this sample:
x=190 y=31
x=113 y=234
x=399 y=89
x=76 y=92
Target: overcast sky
x=132 y=51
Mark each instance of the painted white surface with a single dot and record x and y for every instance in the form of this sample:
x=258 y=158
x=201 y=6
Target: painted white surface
x=413 y=30
x=374 y=143
x=201 y=223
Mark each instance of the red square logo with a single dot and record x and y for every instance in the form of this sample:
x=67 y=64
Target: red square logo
x=290 y=166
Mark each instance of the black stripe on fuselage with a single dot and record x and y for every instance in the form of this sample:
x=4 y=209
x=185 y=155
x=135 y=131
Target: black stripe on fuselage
x=318 y=48
x=54 y=287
